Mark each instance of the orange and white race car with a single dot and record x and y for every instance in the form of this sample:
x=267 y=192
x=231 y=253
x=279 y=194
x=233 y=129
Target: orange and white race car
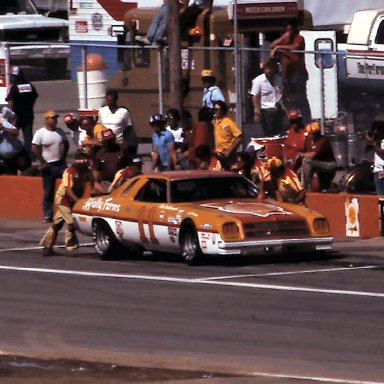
x=196 y=213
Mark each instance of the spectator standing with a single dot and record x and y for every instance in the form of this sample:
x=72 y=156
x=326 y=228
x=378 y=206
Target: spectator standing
x=162 y=144
x=50 y=146
x=118 y=119
x=212 y=92
x=227 y=135
x=266 y=94
x=71 y=189
x=293 y=70
x=21 y=100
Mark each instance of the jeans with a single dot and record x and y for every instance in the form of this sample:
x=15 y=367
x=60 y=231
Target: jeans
x=158 y=25
x=295 y=89
x=28 y=135
x=272 y=121
x=50 y=174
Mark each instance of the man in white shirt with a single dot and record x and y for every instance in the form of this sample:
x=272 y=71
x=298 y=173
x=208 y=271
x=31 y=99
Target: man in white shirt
x=50 y=146
x=119 y=121
x=266 y=94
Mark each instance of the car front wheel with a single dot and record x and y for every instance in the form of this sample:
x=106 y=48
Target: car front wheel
x=189 y=242
x=104 y=240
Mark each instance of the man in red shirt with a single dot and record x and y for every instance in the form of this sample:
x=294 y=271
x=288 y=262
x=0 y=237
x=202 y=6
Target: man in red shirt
x=293 y=69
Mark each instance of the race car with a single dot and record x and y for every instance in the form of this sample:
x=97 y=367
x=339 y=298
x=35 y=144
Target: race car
x=197 y=213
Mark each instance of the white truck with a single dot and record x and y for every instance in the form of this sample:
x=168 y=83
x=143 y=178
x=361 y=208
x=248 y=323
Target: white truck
x=33 y=39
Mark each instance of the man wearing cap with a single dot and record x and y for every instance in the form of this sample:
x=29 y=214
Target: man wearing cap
x=287 y=184
x=21 y=99
x=211 y=91
x=162 y=144
x=295 y=141
x=71 y=189
x=318 y=157
x=50 y=146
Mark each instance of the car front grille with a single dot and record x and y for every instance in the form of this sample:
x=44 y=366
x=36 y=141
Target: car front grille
x=283 y=228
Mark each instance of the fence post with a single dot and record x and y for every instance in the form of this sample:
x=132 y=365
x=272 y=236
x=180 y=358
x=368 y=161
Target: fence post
x=84 y=69
x=160 y=78
x=322 y=93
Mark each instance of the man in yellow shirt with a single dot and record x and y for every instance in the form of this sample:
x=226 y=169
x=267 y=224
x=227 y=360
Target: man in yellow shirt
x=227 y=135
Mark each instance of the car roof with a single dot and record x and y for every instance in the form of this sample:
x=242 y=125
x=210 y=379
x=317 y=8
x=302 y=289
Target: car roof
x=178 y=175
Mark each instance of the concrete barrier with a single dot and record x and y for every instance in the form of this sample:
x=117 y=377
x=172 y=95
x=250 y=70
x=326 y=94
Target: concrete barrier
x=21 y=197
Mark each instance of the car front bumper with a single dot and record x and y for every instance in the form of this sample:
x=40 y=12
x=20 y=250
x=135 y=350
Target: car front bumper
x=275 y=246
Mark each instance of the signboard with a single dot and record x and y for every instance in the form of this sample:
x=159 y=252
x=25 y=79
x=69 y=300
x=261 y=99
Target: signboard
x=352 y=217
x=267 y=9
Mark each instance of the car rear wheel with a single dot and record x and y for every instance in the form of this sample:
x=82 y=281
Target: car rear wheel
x=189 y=242
x=106 y=244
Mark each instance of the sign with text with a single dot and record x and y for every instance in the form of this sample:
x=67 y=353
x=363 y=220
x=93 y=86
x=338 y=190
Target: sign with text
x=267 y=9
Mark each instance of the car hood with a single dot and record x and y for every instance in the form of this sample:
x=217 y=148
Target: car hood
x=250 y=210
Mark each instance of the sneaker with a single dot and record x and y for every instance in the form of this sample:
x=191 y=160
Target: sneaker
x=47 y=220
x=142 y=40
x=48 y=252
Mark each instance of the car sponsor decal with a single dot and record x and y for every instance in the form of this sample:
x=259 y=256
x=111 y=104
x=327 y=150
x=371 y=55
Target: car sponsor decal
x=101 y=204
x=255 y=209
x=206 y=226
x=147 y=214
x=161 y=215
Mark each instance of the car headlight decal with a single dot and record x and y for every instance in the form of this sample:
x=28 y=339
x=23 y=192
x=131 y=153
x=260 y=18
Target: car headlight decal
x=230 y=231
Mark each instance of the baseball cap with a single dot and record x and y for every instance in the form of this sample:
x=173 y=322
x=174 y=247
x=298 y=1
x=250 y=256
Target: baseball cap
x=207 y=73
x=107 y=134
x=15 y=71
x=157 y=118
x=69 y=118
x=50 y=114
x=294 y=114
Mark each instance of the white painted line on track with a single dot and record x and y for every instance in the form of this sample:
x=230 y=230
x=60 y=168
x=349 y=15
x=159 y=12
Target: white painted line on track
x=192 y=281
x=286 y=273
x=317 y=379
x=39 y=247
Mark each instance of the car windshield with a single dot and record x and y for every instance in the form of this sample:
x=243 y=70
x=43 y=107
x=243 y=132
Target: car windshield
x=16 y=6
x=209 y=188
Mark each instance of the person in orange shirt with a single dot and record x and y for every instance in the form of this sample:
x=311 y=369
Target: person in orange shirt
x=227 y=135
x=295 y=141
x=288 y=186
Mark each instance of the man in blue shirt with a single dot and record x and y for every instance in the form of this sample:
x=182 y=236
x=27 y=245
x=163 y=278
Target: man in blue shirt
x=162 y=144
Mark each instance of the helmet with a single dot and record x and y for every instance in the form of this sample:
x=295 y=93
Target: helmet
x=274 y=162
x=157 y=118
x=294 y=114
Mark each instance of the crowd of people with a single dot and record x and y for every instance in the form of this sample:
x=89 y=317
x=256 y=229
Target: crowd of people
x=106 y=144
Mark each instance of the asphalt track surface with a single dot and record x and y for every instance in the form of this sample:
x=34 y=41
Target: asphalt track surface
x=154 y=319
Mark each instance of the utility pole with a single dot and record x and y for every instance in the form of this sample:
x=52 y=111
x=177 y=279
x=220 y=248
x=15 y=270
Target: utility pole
x=175 y=97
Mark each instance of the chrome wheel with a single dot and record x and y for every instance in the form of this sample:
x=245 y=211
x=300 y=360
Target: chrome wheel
x=190 y=248
x=104 y=240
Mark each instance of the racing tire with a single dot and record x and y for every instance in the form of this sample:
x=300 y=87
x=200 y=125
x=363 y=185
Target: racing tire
x=105 y=243
x=189 y=244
